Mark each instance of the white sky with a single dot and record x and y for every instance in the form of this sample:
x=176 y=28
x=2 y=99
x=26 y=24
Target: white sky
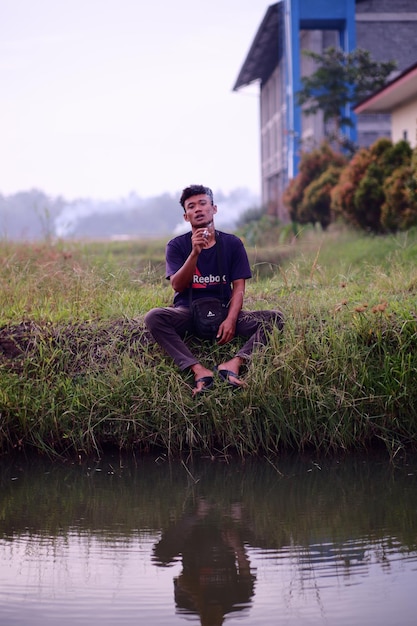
x=103 y=97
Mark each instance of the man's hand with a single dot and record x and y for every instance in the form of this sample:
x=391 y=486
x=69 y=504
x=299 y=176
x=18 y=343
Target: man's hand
x=199 y=240
x=226 y=331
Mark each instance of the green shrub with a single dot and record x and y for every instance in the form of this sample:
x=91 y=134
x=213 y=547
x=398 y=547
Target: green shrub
x=298 y=193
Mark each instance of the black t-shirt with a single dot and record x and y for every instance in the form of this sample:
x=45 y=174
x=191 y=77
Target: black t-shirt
x=213 y=270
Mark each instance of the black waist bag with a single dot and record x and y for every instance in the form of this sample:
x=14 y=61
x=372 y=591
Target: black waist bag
x=208 y=314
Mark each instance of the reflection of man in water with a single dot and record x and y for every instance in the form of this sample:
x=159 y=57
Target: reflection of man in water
x=216 y=577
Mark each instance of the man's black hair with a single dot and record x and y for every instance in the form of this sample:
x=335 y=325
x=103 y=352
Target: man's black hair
x=195 y=190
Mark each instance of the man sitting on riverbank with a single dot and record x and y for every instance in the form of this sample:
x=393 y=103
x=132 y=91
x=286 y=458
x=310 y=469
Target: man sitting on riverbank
x=207 y=262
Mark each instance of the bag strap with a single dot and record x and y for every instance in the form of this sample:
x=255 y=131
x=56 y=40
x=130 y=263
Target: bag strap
x=219 y=254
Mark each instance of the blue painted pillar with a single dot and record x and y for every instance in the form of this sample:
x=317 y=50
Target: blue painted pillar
x=312 y=15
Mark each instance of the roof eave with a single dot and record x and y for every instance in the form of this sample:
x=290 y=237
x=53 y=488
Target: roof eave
x=396 y=92
x=264 y=52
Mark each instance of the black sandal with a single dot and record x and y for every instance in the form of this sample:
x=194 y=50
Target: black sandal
x=208 y=383
x=225 y=376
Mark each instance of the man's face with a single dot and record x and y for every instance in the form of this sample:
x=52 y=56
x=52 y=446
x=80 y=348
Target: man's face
x=199 y=211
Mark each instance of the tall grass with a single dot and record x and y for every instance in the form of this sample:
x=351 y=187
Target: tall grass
x=78 y=371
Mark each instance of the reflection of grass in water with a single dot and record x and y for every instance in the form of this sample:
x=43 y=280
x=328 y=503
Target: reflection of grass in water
x=79 y=372
x=347 y=500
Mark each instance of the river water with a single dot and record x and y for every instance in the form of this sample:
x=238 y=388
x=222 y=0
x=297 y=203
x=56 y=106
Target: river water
x=148 y=541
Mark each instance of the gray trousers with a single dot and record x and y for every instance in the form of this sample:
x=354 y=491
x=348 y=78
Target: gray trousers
x=169 y=325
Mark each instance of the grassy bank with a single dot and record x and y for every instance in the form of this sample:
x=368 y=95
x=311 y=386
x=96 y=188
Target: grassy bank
x=78 y=371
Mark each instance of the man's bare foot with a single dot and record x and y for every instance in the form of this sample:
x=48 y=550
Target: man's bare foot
x=203 y=378
x=229 y=371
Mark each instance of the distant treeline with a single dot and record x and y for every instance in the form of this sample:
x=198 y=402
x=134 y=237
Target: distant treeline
x=33 y=215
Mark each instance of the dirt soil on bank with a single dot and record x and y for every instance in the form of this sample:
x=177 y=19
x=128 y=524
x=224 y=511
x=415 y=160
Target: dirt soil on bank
x=78 y=346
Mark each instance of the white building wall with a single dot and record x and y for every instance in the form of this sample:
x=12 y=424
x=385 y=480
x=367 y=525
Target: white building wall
x=274 y=142
x=404 y=123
